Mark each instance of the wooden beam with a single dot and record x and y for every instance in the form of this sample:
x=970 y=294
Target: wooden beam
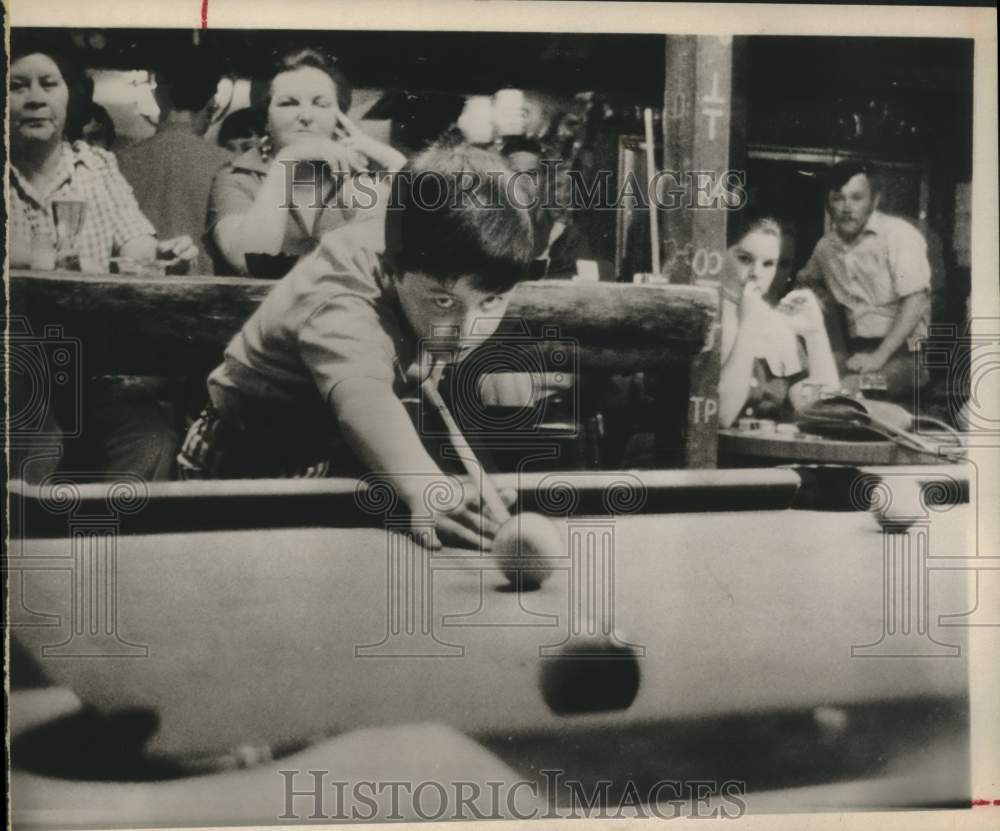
x=181 y=325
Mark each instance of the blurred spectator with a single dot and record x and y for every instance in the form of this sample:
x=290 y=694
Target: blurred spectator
x=874 y=266
x=171 y=172
x=98 y=130
x=559 y=244
x=241 y=130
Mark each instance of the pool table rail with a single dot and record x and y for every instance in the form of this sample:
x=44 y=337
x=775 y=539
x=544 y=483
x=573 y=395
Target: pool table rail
x=49 y=509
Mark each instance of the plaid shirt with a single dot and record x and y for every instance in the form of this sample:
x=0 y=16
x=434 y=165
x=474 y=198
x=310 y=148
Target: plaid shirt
x=90 y=174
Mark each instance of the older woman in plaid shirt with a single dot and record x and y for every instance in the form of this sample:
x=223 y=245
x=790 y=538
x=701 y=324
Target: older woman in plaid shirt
x=45 y=98
x=125 y=428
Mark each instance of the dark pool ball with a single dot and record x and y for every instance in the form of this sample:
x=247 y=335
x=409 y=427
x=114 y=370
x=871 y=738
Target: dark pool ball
x=591 y=675
x=523 y=545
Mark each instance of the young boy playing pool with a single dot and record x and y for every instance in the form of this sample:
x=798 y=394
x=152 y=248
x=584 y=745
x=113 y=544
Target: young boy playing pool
x=311 y=385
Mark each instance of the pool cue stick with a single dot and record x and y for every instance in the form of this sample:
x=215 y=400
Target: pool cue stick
x=487 y=489
x=654 y=225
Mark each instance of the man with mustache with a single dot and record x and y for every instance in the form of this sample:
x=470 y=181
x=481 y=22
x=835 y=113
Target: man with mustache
x=875 y=267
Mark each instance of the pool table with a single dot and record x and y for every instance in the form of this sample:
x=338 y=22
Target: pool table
x=693 y=611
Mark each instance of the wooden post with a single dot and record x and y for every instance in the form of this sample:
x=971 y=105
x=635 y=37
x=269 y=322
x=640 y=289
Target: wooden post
x=696 y=125
x=679 y=92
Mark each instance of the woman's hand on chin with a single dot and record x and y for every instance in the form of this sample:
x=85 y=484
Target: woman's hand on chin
x=366 y=146
x=753 y=308
x=314 y=148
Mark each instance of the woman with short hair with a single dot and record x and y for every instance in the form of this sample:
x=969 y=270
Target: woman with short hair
x=46 y=94
x=281 y=196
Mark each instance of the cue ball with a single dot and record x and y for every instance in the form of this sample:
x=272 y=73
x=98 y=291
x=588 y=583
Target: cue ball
x=522 y=542
x=905 y=506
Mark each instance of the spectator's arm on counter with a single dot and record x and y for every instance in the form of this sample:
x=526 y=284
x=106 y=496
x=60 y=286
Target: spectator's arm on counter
x=247 y=222
x=910 y=312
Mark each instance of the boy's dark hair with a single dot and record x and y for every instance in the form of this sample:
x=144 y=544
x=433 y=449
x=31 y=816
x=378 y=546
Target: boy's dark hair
x=299 y=56
x=456 y=210
x=192 y=78
x=842 y=172
x=241 y=124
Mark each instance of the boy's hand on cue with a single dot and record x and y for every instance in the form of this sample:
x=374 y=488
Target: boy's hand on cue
x=467 y=524
x=473 y=524
x=509 y=497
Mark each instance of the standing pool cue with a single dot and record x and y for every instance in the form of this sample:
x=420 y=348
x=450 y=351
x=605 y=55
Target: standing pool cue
x=654 y=225
x=468 y=456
